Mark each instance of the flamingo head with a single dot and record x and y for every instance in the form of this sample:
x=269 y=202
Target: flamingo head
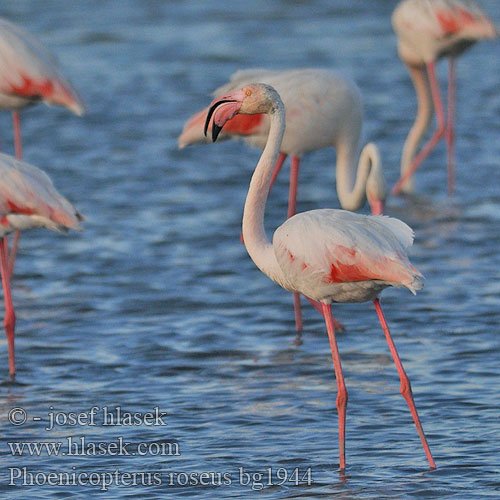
x=253 y=99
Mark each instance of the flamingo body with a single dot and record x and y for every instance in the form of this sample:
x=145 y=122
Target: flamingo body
x=316 y=97
x=28 y=199
x=323 y=109
x=338 y=256
x=327 y=255
x=427 y=31
x=29 y=73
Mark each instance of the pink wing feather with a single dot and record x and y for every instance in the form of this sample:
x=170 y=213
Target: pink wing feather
x=27 y=191
x=344 y=247
x=28 y=70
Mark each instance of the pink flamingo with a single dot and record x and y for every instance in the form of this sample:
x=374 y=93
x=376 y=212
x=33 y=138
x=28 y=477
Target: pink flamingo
x=323 y=109
x=28 y=200
x=29 y=73
x=428 y=30
x=327 y=255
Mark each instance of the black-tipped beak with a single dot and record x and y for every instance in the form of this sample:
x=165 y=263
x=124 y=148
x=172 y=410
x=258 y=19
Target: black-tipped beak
x=215 y=128
x=215 y=131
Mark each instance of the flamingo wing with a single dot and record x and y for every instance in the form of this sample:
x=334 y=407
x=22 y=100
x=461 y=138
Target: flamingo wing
x=30 y=71
x=462 y=18
x=332 y=247
x=28 y=198
x=432 y=28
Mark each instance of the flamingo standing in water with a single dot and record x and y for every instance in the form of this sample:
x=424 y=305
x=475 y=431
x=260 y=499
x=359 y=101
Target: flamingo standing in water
x=28 y=200
x=323 y=109
x=29 y=73
x=327 y=255
x=428 y=30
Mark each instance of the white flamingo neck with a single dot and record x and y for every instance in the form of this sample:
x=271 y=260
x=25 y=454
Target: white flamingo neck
x=257 y=244
x=351 y=181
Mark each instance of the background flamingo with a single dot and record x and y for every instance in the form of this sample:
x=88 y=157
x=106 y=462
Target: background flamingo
x=28 y=200
x=29 y=73
x=323 y=109
x=428 y=30
x=327 y=255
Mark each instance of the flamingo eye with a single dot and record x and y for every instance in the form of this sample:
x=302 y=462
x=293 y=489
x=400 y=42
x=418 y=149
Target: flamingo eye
x=248 y=92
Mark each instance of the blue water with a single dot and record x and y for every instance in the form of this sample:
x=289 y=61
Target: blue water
x=156 y=305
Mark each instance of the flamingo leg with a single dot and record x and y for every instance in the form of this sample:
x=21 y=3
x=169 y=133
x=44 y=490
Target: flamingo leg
x=292 y=204
x=405 y=383
x=13 y=253
x=436 y=137
x=294 y=180
x=297 y=309
x=18 y=147
x=341 y=401
x=317 y=305
x=450 y=127
x=10 y=317
x=277 y=167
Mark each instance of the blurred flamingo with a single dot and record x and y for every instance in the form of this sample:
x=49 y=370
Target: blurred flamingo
x=428 y=30
x=327 y=255
x=323 y=109
x=28 y=200
x=29 y=73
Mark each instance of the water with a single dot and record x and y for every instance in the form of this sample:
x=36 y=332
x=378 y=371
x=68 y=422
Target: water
x=157 y=305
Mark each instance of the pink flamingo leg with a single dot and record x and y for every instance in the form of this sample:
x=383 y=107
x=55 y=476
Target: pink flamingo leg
x=405 y=383
x=292 y=204
x=436 y=137
x=317 y=305
x=13 y=253
x=279 y=163
x=294 y=180
x=341 y=401
x=297 y=309
x=10 y=317
x=18 y=147
x=450 y=128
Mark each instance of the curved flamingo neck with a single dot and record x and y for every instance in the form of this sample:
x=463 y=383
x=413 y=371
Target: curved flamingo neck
x=257 y=244
x=352 y=181
x=422 y=120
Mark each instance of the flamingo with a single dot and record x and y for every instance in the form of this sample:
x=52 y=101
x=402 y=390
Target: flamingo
x=28 y=199
x=427 y=31
x=327 y=255
x=323 y=109
x=29 y=73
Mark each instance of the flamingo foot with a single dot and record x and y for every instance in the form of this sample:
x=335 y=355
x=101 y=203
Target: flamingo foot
x=297 y=341
x=12 y=382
